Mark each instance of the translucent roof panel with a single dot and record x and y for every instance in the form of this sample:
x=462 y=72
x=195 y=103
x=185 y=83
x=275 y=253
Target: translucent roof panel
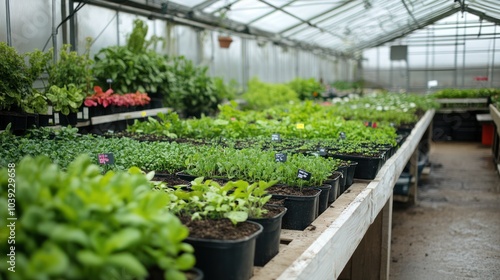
x=346 y=26
x=276 y=22
x=247 y=11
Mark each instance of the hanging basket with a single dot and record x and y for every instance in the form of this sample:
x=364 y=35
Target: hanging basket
x=225 y=41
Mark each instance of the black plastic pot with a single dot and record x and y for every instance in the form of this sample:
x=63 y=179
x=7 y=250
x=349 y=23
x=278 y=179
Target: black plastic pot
x=156 y=273
x=343 y=178
x=367 y=168
x=225 y=259
x=334 y=182
x=351 y=169
x=301 y=210
x=323 y=198
x=70 y=119
x=268 y=242
x=18 y=121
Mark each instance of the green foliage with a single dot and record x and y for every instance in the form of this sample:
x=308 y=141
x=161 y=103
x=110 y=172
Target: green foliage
x=80 y=224
x=392 y=108
x=235 y=200
x=466 y=93
x=71 y=68
x=133 y=67
x=227 y=91
x=260 y=95
x=306 y=88
x=16 y=85
x=192 y=91
x=347 y=85
x=66 y=99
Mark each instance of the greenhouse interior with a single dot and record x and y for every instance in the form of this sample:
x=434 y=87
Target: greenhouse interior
x=250 y=139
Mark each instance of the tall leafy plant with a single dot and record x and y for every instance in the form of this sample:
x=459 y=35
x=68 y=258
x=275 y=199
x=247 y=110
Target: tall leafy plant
x=16 y=84
x=306 y=88
x=193 y=91
x=133 y=67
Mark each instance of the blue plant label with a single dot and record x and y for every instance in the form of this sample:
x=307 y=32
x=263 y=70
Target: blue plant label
x=279 y=157
x=304 y=175
x=108 y=158
x=276 y=137
x=322 y=151
x=342 y=135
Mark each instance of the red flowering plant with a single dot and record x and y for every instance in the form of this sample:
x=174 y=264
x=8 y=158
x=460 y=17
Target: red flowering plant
x=106 y=98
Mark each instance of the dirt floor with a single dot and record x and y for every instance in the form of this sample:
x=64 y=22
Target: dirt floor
x=454 y=230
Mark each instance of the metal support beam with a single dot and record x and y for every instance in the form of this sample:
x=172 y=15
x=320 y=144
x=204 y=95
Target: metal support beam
x=72 y=25
x=54 y=30
x=7 y=19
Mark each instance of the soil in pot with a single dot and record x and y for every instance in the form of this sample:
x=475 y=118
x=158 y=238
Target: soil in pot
x=268 y=242
x=223 y=250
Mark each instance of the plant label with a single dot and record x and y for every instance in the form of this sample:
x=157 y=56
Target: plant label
x=300 y=126
x=276 y=137
x=304 y=175
x=342 y=135
x=279 y=157
x=108 y=158
x=322 y=152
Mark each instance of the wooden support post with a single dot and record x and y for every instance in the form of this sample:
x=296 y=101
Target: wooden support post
x=371 y=260
x=412 y=193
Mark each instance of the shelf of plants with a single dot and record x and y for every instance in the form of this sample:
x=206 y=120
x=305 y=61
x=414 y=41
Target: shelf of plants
x=323 y=249
x=305 y=149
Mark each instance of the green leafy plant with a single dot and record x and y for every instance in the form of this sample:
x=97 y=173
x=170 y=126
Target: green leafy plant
x=209 y=200
x=133 y=67
x=306 y=88
x=16 y=85
x=66 y=99
x=253 y=196
x=260 y=95
x=80 y=224
x=71 y=68
x=193 y=92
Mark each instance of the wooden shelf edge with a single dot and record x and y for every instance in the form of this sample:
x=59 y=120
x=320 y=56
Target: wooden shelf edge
x=128 y=115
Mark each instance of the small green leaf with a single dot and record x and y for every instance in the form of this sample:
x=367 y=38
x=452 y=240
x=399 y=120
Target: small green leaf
x=237 y=216
x=127 y=262
x=89 y=258
x=122 y=239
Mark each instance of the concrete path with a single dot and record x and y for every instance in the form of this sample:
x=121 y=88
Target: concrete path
x=454 y=231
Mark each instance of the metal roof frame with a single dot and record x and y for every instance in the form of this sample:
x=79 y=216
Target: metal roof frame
x=341 y=27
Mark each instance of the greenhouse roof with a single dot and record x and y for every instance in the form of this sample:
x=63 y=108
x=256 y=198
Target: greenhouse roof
x=336 y=26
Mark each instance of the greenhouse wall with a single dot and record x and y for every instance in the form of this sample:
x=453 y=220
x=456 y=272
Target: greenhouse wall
x=247 y=57
x=457 y=52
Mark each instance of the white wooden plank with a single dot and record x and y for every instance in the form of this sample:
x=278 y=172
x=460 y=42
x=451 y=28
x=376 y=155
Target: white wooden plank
x=495 y=115
x=128 y=115
x=462 y=100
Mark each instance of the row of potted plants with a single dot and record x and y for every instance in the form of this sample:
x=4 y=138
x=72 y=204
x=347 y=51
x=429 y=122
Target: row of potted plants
x=81 y=224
